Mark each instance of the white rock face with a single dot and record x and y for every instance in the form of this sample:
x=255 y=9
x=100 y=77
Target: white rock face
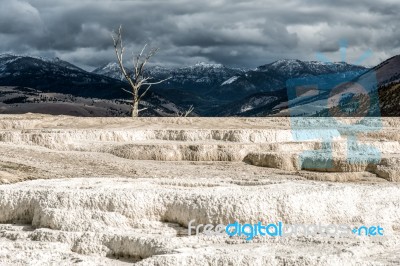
x=146 y=219
x=117 y=192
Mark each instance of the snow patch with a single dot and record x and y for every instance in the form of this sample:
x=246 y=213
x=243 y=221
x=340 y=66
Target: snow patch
x=257 y=102
x=230 y=81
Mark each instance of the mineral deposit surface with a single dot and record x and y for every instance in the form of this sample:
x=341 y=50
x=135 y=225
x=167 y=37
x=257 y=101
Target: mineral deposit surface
x=117 y=191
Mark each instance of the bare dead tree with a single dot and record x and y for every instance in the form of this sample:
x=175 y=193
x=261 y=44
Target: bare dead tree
x=137 y=79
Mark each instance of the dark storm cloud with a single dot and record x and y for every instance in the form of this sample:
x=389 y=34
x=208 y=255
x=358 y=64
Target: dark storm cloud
x=237 y=33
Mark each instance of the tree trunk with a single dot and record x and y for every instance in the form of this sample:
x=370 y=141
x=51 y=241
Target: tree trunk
x=135 y=108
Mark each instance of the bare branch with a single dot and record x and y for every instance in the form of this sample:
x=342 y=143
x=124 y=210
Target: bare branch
x=147 y=58
x=191 y=108
x=185 y=114
x=119 y=51
x=141 y=53
x=151 y=53
x=158 y=82
x=137 y=64
x=127 y=91
x=144 y=93
x=142 y=81
x=142 y=109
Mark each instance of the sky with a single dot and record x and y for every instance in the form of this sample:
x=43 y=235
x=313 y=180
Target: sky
x=234 y=33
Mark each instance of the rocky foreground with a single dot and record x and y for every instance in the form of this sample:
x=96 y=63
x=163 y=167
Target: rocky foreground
x=116 y=191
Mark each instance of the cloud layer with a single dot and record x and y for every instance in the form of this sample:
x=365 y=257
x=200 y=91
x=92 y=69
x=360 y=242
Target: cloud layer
x=235 y=33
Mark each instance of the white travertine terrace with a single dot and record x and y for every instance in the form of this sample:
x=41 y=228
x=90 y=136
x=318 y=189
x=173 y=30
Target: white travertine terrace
x=113 y=191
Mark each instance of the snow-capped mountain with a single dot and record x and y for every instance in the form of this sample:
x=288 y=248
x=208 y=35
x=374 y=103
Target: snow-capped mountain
x=273 y=76
x=210 y=86
x=190 y=85
x=6 y=60
x=379 y=94
x=214 y=89
x=203 y=75
x=296 y=68
x=200 y=74
x=270 y=80
x=110 y=70
x=55 y=75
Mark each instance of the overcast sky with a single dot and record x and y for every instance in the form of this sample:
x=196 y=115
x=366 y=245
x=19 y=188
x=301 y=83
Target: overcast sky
x=235 y=33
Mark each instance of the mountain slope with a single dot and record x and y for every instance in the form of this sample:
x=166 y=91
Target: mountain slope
x=214 y=90
x=19 y=100
x=109 y=70
x=57 y=76
x=373 y=93
x=388 y=75
x=383 y=84
x=258 y=104
x=192 y=85
x=389 y=97
x=199 y=77
x=210 y=87
x=272 y=77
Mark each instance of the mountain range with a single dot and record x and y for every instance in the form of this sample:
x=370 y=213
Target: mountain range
x=30 y=81
x=217 y=90
x=213 y=89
